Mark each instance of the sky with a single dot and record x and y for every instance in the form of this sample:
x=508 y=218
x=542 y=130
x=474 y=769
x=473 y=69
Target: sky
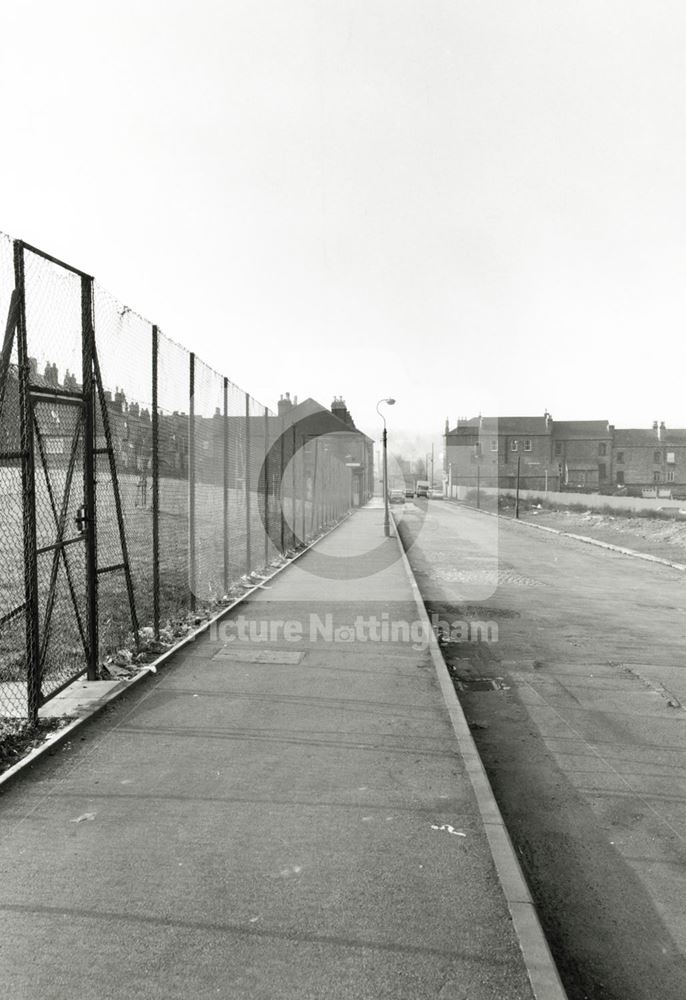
x=473 y=207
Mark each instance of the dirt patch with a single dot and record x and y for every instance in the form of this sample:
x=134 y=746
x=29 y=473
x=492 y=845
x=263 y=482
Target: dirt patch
x=665 y=538
x=18 y=738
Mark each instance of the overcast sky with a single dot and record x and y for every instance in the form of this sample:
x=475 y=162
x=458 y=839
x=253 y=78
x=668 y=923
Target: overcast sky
x=471 y=206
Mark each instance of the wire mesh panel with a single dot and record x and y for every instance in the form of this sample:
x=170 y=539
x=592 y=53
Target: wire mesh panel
x=12 y=616
x=173 y=406
x=6 y=280
x=308 y=455
x=53 y=322
x=297 y=481
x=61 y=583
x=237 y=507
x=286 y=496
x=273 y=470
x=256 y=494
x=124 y=494
x=209 y=429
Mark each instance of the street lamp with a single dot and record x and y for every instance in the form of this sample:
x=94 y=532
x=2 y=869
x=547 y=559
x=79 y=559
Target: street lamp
x=386 y=515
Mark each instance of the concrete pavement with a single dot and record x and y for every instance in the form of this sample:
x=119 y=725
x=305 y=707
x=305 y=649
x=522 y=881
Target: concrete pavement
x=282 y=812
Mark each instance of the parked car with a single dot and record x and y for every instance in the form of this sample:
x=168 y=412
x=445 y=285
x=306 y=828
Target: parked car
x=396 y=496
x=435 y=494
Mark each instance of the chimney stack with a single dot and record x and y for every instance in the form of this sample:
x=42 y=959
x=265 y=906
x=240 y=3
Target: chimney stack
x=340 y=410
x=285 y=404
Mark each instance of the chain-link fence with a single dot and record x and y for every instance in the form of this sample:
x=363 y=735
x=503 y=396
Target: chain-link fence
x=137 y=485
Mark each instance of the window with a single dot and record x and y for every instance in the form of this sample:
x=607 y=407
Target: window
x=494 y=444
x=558 y=447
x=527 y=444
x=671 y=457
x=620 y=479
x=670 y=475
x=602 y=448
x=514 y=445
x=620 y=457
x=656 y=477
x=657 y=456
x=602 y=472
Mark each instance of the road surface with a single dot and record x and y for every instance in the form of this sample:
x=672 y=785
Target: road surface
x=577 y=707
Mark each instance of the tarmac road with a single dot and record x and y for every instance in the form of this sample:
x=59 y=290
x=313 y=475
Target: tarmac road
x=577 y=708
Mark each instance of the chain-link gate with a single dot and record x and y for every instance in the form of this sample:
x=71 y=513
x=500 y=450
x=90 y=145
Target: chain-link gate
x=60 y=627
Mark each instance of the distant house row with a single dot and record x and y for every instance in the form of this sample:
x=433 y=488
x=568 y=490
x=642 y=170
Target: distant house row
x=307 y=427
x=564 y=454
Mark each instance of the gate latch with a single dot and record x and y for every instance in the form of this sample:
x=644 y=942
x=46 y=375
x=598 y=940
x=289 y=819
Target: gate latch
x=81 y=520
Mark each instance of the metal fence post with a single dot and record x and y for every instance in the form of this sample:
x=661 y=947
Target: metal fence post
x=294 y=533
x=227 y=575
x=303 y=488
x=155 y=484
x=7 y=344
x=265 y=471
x=28 y=482
x=89 y=471
x=192 y=567
x=282 y=525
x=314 y=515
x=248 y=553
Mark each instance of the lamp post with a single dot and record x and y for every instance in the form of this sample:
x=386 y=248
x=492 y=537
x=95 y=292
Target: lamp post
x=386 y=515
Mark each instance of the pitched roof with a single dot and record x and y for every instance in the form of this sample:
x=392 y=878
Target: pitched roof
x=635 y=436
x=505 y=425
x=517 y=425
x=581 y=428
x=310 y=408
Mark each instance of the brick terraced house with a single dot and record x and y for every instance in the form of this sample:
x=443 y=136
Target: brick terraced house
x=575 y=455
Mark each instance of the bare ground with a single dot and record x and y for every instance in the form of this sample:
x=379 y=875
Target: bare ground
x=664 y=538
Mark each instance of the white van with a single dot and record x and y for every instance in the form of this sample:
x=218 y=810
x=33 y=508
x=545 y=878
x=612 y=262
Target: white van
x=423 y=487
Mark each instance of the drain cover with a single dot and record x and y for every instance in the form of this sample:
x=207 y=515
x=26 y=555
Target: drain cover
x=482 y=684
x=239 y=655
